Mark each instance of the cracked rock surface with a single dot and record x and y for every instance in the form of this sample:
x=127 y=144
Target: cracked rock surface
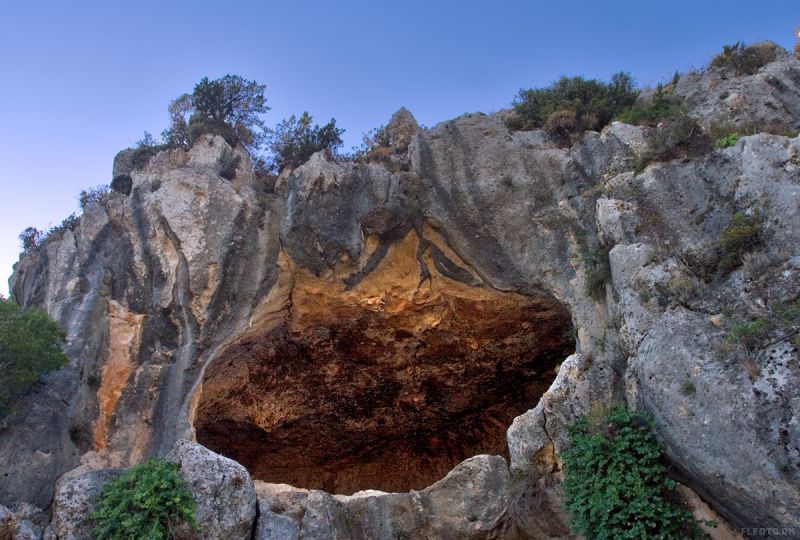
x=381 y=324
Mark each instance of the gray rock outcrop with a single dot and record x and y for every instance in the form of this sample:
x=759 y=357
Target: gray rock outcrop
x=159 y=288
x=76 y=496
x=222 y=490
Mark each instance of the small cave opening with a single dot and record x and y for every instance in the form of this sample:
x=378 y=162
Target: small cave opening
x=351 y=390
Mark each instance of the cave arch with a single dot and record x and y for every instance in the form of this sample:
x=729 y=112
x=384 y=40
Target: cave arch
x=385 y=385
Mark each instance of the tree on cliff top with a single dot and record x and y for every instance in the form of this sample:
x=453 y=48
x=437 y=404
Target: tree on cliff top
x=230 y=106
x=294 y=141
x=30 y=346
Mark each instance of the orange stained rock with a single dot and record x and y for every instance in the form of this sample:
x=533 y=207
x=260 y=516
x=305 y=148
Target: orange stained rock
x=124 y=339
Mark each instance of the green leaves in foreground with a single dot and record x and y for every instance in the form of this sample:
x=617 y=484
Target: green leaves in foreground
x=150 y=501
x=727 y=141
x=615 y=484
x=30 y=346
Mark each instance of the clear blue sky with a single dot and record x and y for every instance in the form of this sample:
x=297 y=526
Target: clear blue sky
x=82 y=80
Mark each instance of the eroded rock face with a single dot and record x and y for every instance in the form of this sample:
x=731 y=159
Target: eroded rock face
x=355 y=301
x=387 y=384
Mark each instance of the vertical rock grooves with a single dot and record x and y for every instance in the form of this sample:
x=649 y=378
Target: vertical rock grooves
x=387 y=384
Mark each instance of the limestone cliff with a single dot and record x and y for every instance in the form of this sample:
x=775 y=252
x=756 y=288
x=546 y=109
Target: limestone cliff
x=373 y=325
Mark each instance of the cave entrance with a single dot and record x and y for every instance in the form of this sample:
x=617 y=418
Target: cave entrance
x=386 y=385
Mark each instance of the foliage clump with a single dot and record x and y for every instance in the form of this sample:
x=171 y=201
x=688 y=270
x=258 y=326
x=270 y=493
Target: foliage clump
x=748 y=334
x=573 y=104
x=727 y=141
x=295 y=140
x=664 y=104
x=30 y=346
x=743 y=59
x=143 y=151
x=596 y=264
x=616 y=484
x=679 y=137
x=151 y=501
x=229 y=106
x=743 y=234
x=93 y=195
x=31 y=238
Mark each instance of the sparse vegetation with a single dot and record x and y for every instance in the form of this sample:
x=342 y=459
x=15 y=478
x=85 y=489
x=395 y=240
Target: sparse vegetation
x=683 y=289
x=748 y=334
x=727 y=141
x=662 y=105
x=30 y=347
x=678 y=137
x=743 y=59
x=573 y=104
x=294 y=141
x=151 y=501
x=720 y=131
x=399 y=533
x=31 y=238
x=743 y=234
x=596 y=264
x=144 y=150
x=616 y=484
x=688 y=388
x=93 y=195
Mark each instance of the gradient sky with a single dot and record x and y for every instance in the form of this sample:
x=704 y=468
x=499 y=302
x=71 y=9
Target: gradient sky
x=82 y=80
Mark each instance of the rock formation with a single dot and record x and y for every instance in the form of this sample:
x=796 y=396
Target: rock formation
x=385 y=324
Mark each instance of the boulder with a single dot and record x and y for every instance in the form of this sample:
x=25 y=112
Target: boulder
x=76 y=496
x=222 y=489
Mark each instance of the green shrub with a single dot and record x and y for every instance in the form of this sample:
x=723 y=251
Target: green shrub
x=789 y=313
x=294 y=141
x=727 y=141
x=719 y=131
x=744 y=60
x=616 y=484
x=93 y=195
x=376 y=144
x=229 y=106
x=679 y=137
x=31 y=238
x=594 y=103
x=143 y=151
x=663 y=105
x=598 y=272
x=749 y=334
x=743 y=234
x=150 y=501
x=30 y=346
x=562 y=126
x=596 y=264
